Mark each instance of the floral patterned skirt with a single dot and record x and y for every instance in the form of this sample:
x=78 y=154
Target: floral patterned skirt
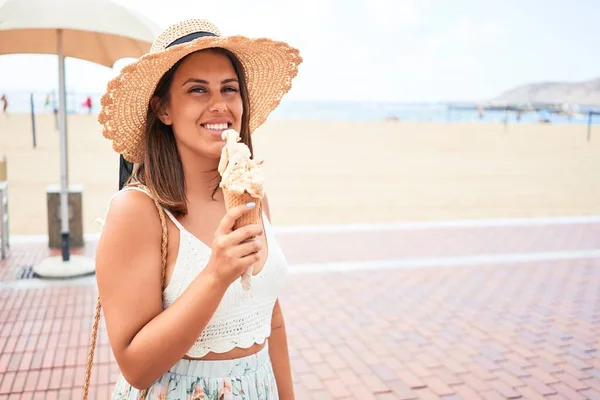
x=247 y=378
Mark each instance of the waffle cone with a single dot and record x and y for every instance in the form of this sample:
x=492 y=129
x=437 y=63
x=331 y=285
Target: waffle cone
x=234 y=199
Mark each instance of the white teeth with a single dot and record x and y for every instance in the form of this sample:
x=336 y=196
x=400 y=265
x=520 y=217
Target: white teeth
x=216 y=127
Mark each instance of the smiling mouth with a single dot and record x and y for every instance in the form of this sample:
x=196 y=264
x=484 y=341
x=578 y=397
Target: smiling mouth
x=217 y=127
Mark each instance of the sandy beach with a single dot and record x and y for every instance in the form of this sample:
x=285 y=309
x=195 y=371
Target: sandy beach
x=330 y=172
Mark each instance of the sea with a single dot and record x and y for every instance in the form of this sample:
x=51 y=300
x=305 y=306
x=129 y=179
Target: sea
x=44 y=103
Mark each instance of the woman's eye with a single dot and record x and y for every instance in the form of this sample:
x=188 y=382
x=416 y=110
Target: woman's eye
x=197 y=90
x=230 y=89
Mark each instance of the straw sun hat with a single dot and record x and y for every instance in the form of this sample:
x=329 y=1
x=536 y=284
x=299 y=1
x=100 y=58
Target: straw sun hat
x=269 y=67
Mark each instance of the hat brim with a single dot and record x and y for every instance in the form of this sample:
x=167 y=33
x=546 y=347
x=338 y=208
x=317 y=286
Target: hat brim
x=269 y=68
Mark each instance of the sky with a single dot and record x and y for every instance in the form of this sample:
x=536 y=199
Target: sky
x=377 y=50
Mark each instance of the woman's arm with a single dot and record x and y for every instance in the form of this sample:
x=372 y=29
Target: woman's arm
x=146 y=340
x=278 y=350
x=278 y=347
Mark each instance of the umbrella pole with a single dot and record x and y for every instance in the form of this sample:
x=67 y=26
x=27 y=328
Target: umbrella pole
x=64 y=183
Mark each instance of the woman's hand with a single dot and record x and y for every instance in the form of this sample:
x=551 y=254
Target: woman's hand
x=234 y=251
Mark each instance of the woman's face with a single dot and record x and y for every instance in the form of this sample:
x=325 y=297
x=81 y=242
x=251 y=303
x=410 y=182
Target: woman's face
x=204 y=101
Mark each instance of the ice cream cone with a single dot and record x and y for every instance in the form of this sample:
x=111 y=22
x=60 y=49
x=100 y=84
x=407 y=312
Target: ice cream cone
x=242 y=183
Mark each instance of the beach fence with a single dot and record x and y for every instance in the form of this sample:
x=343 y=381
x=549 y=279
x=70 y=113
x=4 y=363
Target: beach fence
x=23 y=102
x=35 y=103
x=3 y=207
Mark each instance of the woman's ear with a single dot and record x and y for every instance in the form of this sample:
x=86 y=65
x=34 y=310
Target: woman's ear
x=161 y=112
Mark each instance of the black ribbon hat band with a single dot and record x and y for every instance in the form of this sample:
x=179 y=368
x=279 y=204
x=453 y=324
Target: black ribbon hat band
x=189 y=37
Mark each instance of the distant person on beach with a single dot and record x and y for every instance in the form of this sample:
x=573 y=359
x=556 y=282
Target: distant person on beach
x=88 y=104
x=49 y=101
x=169 y=260
x=4 y=101
x=480 y=112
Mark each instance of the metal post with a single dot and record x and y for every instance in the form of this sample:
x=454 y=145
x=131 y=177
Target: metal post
x=32 y=117
x=589 y=133
x=3 y=219
x=64 y=182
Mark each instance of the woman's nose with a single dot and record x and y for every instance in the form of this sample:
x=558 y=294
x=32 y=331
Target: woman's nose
x=217 y=104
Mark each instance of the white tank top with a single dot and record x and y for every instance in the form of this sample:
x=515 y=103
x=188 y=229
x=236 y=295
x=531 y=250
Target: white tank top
x=242 y=318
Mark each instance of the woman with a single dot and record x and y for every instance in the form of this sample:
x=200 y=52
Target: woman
x=179 y=324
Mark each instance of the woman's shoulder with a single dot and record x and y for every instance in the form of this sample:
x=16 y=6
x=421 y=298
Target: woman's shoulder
x=131 y=196
x=132 y=208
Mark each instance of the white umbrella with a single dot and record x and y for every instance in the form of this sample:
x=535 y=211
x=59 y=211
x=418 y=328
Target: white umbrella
x=100 y=31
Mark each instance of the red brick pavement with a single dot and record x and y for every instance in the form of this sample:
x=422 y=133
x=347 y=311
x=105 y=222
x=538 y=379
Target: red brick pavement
x=489 y=332
x=21 y=257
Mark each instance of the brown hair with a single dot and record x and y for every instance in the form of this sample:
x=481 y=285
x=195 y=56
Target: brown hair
x=161 y=170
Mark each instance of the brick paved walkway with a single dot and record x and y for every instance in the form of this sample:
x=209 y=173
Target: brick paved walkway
x=528 y=330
